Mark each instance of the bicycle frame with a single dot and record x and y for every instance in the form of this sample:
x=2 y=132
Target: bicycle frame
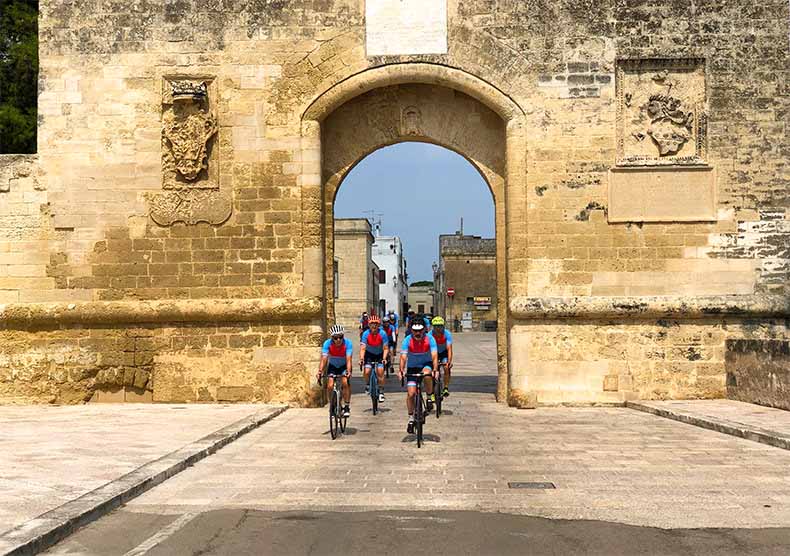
x=336 y=410
x=373 y=384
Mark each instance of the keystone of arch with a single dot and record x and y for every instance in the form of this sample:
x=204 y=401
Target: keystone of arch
x=397 y=74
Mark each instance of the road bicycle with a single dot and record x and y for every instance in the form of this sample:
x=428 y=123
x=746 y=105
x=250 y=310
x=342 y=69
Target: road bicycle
x=373 y=385
x=438 y=389
x=420 y=408
x=337 y=421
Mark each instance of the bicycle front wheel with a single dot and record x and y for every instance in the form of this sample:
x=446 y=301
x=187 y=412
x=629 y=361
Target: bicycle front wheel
x=374 y=391
x=342 y=420
x=438 y=387
x=419 y=418
x=334 y=421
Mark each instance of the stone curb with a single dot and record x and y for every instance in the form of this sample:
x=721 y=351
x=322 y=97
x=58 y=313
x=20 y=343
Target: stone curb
x=51 y=527
x=733 y=428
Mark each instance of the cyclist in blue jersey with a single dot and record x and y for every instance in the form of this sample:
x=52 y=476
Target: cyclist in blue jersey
x=336 y=354
x=373 y=348
x=394 y=319
x=392 y=333
x=418 y=356
x=444 y=343
x=409 y=319
x=363 y=323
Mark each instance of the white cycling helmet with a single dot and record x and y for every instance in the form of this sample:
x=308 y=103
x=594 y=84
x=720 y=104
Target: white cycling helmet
x=337 y=330
x=417 y=326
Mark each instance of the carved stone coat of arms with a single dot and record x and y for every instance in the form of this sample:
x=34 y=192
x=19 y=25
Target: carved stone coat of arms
x=190 y=165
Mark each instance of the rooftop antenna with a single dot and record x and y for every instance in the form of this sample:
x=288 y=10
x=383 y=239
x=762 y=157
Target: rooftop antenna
x=462 y=225
x=375 y=222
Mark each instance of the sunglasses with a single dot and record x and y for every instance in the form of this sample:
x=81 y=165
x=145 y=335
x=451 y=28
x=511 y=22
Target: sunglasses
x=337 y=337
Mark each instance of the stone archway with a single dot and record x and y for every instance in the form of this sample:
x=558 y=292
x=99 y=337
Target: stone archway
x=420 y=102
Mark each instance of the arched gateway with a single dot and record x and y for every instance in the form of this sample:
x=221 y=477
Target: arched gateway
x=170 y=239
x=422 y=102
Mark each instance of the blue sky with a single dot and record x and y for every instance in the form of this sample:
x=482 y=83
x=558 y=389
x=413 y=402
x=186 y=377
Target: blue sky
x=419 y=183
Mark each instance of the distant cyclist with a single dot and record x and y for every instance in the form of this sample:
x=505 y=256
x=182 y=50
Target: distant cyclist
x=444 y=344
x=364 y=320
x=394 y=319
x=418 y=356
x=409 y=319
x=392 y=333
x=336 y=356
x=373 y=349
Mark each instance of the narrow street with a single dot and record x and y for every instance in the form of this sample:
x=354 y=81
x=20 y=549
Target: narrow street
x=624 y=480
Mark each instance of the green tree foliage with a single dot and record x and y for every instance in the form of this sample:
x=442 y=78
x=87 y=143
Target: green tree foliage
x=18 y=75
x=422 y=283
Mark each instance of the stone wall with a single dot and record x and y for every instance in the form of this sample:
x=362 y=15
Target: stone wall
x=353 y=253
x=472 y=276
x=191 y=151
x=758 y=371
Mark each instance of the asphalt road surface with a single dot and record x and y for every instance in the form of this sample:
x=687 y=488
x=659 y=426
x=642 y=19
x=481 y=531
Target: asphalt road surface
x=236 y=532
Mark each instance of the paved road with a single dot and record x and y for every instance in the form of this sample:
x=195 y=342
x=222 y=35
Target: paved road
x=237 y=532
x=619 y=475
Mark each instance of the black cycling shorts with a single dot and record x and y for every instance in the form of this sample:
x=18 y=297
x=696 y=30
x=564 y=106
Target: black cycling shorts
x=336 y=371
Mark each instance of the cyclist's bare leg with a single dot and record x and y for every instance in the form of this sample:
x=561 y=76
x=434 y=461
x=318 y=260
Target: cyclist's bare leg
x=330 y=384
x=428 y=381
x=346 y=390
x=366 y=374
x=380 y=375
x=411 y=392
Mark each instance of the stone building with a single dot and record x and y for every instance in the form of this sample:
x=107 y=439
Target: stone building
x=467 y=270
x=174 y=232
x=356 y=274
x=393 y=289
x=422 y=299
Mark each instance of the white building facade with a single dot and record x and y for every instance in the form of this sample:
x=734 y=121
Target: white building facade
x=393 y=288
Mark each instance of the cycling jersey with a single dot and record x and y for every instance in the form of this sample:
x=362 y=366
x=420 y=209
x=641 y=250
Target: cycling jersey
x=442 y=341
x=337 y=354
x=419 y=353
x=374 y=345
x=393 y=330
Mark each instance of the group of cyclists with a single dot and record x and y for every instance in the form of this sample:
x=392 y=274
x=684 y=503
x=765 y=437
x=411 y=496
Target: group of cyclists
x=427 y=345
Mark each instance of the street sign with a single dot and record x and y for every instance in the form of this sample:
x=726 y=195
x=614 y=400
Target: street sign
x=450 y=292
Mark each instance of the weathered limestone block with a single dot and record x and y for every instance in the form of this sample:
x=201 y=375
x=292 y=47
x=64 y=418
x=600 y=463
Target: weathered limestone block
x=758 y=371
x=521 y=399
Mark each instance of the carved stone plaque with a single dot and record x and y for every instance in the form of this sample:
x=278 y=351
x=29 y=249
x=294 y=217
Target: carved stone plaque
x=662 y=195
x=403 y=27
x=661 y=117
x=190 y=159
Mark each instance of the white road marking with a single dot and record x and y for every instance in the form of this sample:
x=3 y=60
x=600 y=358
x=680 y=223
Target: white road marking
x=162 y=535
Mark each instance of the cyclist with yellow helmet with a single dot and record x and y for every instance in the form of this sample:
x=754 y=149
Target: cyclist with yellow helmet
x=444 y=345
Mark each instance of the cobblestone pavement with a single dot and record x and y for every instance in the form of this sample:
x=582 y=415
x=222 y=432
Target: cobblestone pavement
x=52 y=454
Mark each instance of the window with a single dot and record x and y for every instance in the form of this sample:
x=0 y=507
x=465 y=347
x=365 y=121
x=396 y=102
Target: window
x=420 y=308
x=336 y=278
x=470 y=300
x=382 y=276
